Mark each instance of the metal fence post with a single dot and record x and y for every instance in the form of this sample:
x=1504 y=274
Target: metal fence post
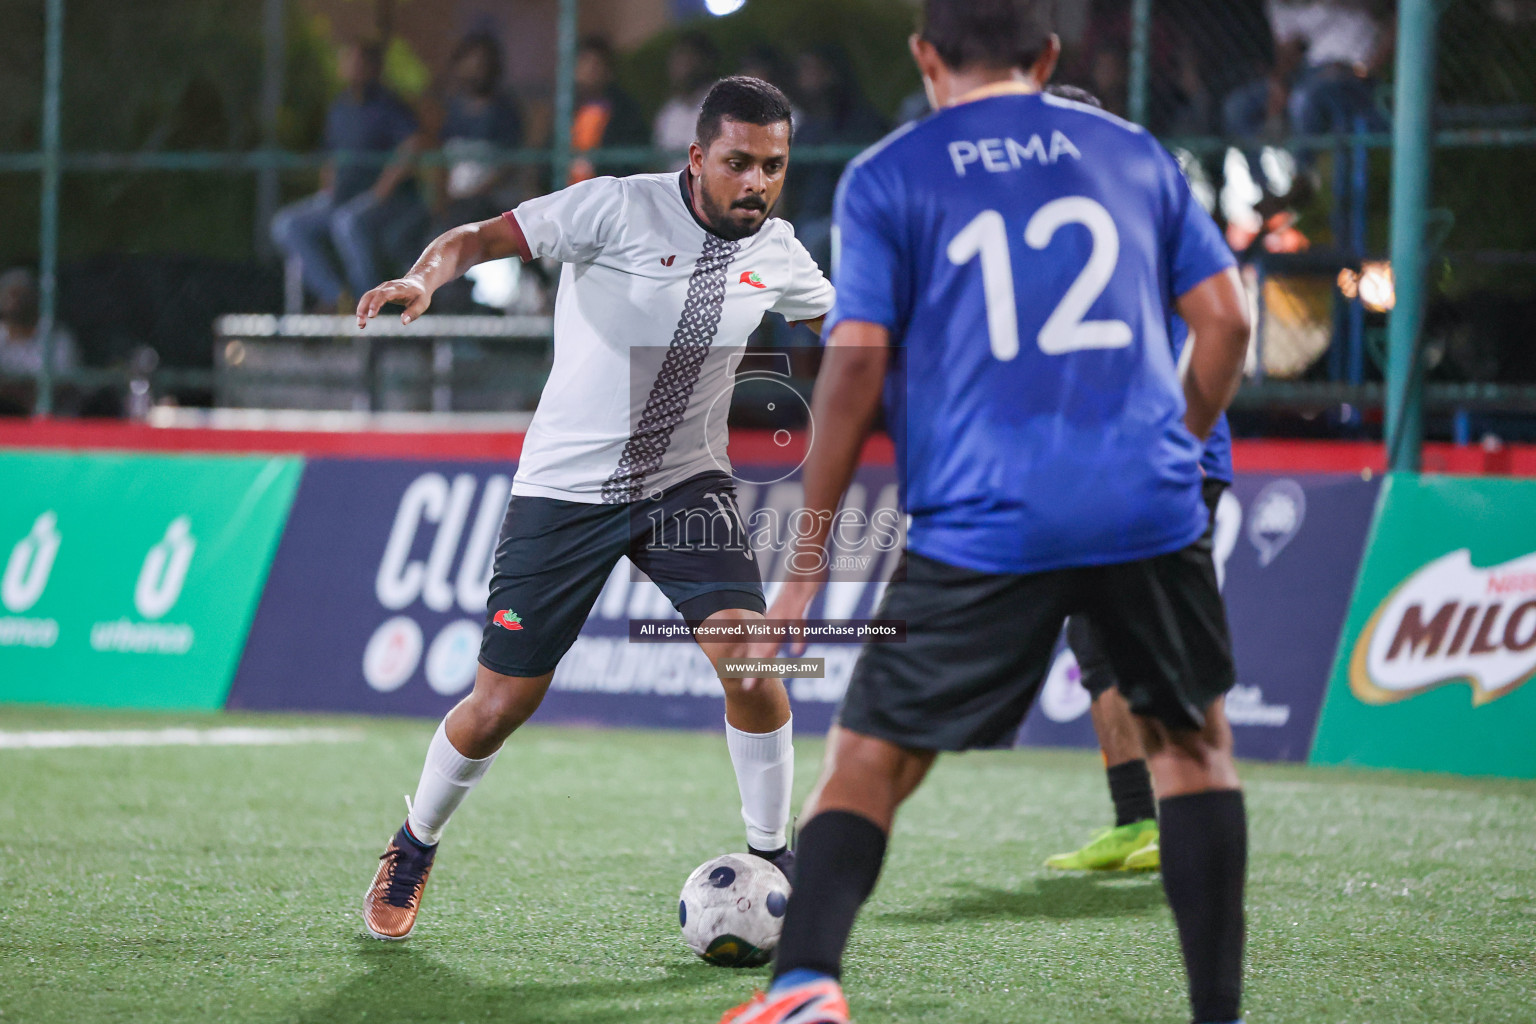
x=1140 y=64
x=274 y=59
x=1414 y=92
x=565 y=94
x=48 y=230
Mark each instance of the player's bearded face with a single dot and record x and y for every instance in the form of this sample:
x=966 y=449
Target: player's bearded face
x=739 y=178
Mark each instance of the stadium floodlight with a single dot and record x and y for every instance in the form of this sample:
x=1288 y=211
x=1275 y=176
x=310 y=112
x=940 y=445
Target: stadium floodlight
x=720 y=8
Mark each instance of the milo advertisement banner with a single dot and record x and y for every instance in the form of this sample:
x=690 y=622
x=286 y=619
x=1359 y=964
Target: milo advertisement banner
x=129 y=580
x=1441 y=636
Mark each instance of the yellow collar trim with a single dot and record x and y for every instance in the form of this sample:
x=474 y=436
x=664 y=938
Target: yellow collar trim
x=1005 y=88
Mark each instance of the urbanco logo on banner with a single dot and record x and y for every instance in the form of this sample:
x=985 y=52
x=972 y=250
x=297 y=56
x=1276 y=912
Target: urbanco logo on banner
x=440 y=582
x=26 y=577
x=162 y=576
x=1450 y=621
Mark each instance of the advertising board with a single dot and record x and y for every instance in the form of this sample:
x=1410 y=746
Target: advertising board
x=129 y=580
x=1440 y=640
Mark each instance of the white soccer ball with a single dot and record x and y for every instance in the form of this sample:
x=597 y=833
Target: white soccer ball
x=732 y=910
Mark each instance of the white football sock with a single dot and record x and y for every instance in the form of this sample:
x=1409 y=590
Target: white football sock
x=765 y=775
x=445 y=782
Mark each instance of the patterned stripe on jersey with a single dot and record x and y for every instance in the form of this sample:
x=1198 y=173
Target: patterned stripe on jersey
x=673 y=389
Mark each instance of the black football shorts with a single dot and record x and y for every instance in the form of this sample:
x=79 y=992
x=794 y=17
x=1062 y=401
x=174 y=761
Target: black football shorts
x=980 y=644
x=1083 y=636
x=554 y=557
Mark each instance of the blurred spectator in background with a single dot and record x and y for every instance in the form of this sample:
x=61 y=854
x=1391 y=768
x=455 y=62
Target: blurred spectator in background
x=479 y=117
x=605 y=115
x=836 y=112
x=1222 y=45
x=766 y=61
x=692 y=66
x=1103 y=64
x=21 y=343
x=361 y=212
x=1108 y=77
x=1327 y=56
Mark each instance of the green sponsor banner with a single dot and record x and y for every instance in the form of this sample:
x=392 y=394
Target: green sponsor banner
x=1439 y=649
x=130 y=580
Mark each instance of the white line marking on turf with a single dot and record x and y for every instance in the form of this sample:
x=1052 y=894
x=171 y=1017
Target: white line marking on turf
x=233 y=736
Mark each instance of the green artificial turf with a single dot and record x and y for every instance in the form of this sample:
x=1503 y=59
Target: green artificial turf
x=223 y=884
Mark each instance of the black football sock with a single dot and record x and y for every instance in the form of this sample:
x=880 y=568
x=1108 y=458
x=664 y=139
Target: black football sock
x=838 y=861
x=1204 y=858
x=1130 y=787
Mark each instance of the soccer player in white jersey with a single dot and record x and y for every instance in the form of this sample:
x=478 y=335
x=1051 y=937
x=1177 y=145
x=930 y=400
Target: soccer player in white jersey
x=665 y=277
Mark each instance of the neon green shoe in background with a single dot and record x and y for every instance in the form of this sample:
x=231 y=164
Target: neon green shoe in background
x=1108 y=850
x=1145 y=859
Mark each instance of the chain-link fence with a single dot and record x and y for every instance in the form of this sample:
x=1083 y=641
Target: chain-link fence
x=186 y=128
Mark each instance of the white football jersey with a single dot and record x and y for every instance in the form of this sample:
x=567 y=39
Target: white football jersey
x=651 y=320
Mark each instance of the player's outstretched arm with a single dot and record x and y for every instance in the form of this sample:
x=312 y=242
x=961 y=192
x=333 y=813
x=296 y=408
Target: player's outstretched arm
x=1216 y=311
x=447 y=258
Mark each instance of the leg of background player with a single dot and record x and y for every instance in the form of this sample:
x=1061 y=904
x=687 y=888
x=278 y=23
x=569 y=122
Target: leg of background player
x=759 y=736
x=842 y=848
x=1205 y=855
x=1115 y=726
x=1131 y=844
x=1125 y=759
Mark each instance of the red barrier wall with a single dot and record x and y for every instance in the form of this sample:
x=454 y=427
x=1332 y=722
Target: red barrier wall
x=746 y=445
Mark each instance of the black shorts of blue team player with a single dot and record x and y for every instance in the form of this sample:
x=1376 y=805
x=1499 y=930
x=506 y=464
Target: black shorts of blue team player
x=1097 y=674
x=554 y=557
x=979 y=645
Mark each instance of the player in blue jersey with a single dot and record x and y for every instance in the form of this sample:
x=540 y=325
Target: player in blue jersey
x=1007 y=275
x=1131 y=844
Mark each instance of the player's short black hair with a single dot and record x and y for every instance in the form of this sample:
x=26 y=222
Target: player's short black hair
x=1075 y=94
x=744 y=99
x=986 y=33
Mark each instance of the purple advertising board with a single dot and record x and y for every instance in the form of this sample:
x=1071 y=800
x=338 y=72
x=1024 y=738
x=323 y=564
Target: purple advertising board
x=376 y=600
x=1289 y=549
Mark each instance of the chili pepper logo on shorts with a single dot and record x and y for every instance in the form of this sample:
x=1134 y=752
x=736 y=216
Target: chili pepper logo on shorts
x=1450 y=621
x=750 y=277
x=507 y=619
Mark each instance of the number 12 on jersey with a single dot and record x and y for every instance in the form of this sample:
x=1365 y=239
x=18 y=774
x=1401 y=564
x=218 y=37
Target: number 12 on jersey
x=1065 y=330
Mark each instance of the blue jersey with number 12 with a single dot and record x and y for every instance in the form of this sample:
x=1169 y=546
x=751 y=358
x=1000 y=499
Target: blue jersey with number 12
x=1025 y=253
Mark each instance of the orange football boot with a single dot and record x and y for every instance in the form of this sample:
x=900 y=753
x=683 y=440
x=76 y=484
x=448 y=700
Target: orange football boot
x=389 y=908
x=815 y=1002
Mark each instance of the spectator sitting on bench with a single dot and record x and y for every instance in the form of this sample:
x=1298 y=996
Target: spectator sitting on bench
x=21 y=343
x=362 y=211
